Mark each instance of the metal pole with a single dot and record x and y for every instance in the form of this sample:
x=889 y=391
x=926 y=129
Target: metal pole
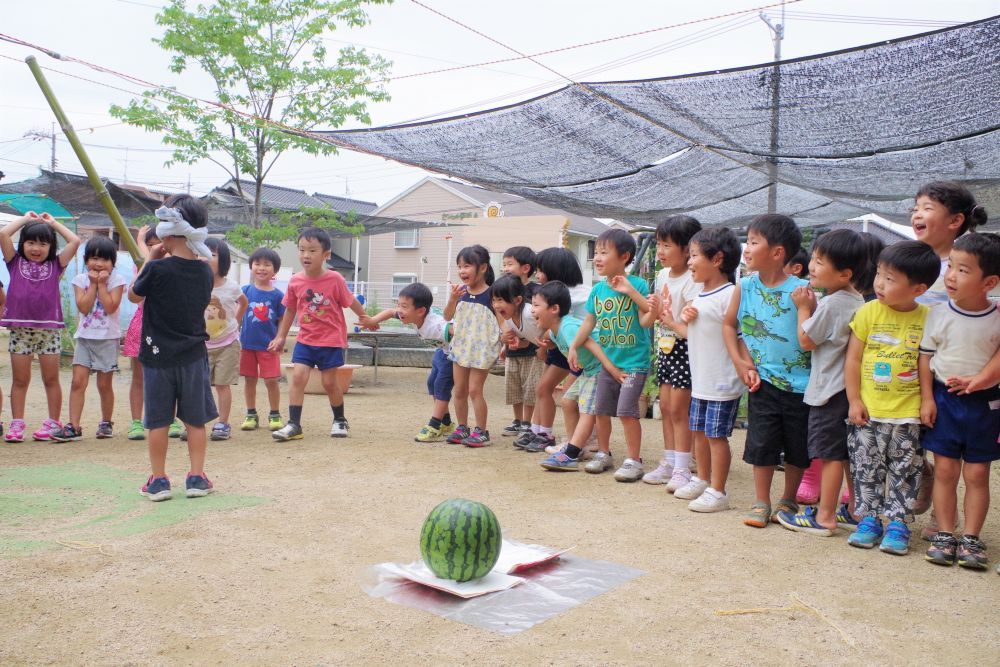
x=778 y=33
x=88 y=166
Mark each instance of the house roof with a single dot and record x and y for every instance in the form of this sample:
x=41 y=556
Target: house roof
x=888 y=232
x=75 y=193
x=338 y=263
x=273 y=196
x=346 y=204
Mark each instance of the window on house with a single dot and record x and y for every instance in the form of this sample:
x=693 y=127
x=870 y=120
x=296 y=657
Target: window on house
x=591 y=246
x=401 y=280
x=407 y=239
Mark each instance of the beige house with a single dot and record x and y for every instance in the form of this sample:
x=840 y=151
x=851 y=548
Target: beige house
x=469 y=215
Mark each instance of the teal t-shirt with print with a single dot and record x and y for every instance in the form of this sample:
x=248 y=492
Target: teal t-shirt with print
x=768 y=321
x=568 y=327
x=618 y=330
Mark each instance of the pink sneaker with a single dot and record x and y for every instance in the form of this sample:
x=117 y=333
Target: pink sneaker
x=44 y=433
x=808 y=493
x=16 y=431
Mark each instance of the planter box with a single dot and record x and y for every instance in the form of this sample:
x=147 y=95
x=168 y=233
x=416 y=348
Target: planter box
x=315 y=383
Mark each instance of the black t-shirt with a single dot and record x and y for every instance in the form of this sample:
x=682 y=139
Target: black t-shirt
x=177 y=292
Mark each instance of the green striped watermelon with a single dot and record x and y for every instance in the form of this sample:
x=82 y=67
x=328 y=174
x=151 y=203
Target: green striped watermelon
x=460 y=540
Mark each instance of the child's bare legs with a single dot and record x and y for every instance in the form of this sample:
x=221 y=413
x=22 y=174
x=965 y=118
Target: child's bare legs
x=297 y=389
x=977 y=496
x=331 y=385
x=135 y=390
x=78 y=393
x=603 y=433
x=106 y=392
x=158 y=450
x=20 y=366
x=250 y=392
x=224 y=398
x=440 y=409
x=49 y=364
x=460 y=393
x=527 y=412
x=196 y=448
x=680 y=408
x=273 y=393
x=667 y=423
x=722 y=458
x=477 y=380
x=581 y=432
x=764 y=475
x=946 y=474
x=571 y=418
x=633 y=436
x=703 y=453
x=518 y=411
x=545 y=404
x=832 y=476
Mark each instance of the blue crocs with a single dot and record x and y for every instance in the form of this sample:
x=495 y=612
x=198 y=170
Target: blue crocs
x=897 y=539
x=560 y=462
x=868 y=533
x=803 y=522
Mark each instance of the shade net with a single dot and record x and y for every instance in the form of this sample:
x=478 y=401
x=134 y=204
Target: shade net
x=857 y=131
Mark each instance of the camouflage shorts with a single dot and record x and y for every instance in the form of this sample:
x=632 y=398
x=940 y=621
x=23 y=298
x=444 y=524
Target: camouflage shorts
x=25 y=340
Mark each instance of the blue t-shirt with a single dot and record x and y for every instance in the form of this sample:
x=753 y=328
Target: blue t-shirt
x=618 y=330
x=260 y=321
x=568 y=327
x=768 y=320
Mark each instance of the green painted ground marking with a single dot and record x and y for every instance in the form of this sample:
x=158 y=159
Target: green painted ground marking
x=85 y=502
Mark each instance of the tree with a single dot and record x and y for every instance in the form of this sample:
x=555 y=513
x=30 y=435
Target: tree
x=271 y=234
x=267 y=60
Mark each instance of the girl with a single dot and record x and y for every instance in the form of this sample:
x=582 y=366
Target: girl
x=98 y=295
x=475 y=345
x=225 y=311
x=33 y=313
x=146 y=239
x=521 y=371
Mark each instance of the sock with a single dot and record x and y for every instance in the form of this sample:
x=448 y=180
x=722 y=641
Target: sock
x=545 y=430
x=251 y=411
x=536 y=429
x=446 y=420
x=273 y=413
x=668 y=456
x=338 y=412
x=434 y=422
x=573 y=451
x=295 y=414
x=682 y=460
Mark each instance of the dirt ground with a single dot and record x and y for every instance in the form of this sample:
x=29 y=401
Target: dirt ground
x=272 y=575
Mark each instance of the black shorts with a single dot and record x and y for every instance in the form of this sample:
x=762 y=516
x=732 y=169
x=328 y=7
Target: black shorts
x=828 y=429
x=553 y=357
x=778 y=423
x=181 y=390
x=674 y=368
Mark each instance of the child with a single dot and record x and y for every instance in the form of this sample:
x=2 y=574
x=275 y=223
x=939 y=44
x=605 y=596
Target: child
x=959 y=340
x=715 y=386
x=673 y=370
x=98 y=296
x=259 y=326
x=519 y=262
x=880 y=375
x=521 y=371
x=317 y=295
x=33 y=313
x=617 y=307
x=476 y=342
x=771 y=363
x=414 y=307
x=172 y=350
x=838 y=257
x=798 y=265
x=864 y=282
x=550 y=307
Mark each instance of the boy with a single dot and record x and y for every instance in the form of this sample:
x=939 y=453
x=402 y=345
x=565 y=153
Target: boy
x=617 y=306
x=838 y=257
x=260 y=325
x=519 y=261
x=798 y=265
x=413 y=306
x=771 y=363
x=880 y=376
x=317 y=295
x=960 y=338
x=172 y=350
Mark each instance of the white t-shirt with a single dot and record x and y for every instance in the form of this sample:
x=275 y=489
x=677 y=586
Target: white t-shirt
x=830 y=329
x=220 y=316
x=682 y=290
x=713 y=376
x=432 y=331
x=578 y=296
x=98 y=325
x=528 y=331
x=960 y=341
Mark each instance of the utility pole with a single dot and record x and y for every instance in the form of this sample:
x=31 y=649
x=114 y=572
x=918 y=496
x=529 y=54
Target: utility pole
x=38 y=134
x=777 y=35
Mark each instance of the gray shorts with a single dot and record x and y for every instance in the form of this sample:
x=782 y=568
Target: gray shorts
x=619 y=400
x=97 y=355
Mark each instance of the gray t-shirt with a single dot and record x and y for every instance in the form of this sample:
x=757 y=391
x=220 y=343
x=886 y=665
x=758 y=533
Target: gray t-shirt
x=829 y=328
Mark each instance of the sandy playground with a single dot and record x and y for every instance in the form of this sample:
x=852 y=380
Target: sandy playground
x=268 y=570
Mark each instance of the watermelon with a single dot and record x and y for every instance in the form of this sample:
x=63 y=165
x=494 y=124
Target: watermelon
x=460 y=540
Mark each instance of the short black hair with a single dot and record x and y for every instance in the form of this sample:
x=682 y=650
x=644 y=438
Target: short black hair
x=957 y=199
x=845 y=249
x=192 y=210
x=315 y=234
x=914 y=259
x=101 y=247
x=266 y=255
x=522 y=254
x=677 y=228
x=622 y=241
x=507 y=288
x=864 y=280
x=477 y=255
x=985 y=248
x=220 y=248
x=802 y=259
x=778 y=230
x=555 y=293
x=561 y=265
x=419 y=294
x=713 y=240
x=42 y=233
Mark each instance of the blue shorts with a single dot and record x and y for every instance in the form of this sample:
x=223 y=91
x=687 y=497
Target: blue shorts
x=967 y=426
x=441 y=381
x=315 y=356
x=715 y=418
x=181 y=390
x=553 y=357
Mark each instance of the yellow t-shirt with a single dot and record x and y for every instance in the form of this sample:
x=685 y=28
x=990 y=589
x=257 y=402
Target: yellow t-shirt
x=890 y=388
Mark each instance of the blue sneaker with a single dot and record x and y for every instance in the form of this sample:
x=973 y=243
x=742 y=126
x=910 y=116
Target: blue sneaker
x=897 y=539
x=157 y=489
x=198 y=486
x=803 y=522
x=560 y=462
x=868 y=533
x=845 y=520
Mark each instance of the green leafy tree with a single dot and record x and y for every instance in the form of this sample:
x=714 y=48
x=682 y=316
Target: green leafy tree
x=268 y=62
x=271 y=234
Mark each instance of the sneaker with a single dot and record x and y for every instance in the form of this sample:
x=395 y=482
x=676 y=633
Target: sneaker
x=694 y=488
x=560 y=462
x=16 y=431
x=479 y=437
x=679 y=478
x=156 y=489
x=972 y=553
x=289 y=431
x=460 y=433
x=539 y=443
x=602 y=461
x=219 y=432
x=930 y=529
x=105 y=430
x=845 y=520
x=661 y=475
x=339 y=428
x=522 y=440
x=136 y=431
x=804 y=522
x=630 y=471
x=447 y=429
x=758 y=516
x=896 y=539
x=67 y=433
x=198 y=486
x=174 y=431
x=428 y=433
x=867 y=535
x=942 y=549
x=710 y=501
x=45 y=431
x=274 y=422
x=514 y=428
x=555 y=449
x=251 y=422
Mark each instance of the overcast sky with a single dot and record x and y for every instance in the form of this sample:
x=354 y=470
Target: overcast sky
x=117 y=34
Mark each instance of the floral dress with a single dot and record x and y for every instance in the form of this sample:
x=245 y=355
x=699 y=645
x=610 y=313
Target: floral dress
x=476 y=341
